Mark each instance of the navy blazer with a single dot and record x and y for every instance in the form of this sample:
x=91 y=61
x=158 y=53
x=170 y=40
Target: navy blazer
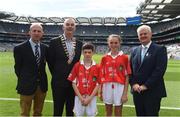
x=27 y=71
x=150 y=72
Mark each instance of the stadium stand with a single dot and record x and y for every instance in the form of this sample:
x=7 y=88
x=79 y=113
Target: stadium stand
x=173 y=51
x=163 y=33
x=14 y=29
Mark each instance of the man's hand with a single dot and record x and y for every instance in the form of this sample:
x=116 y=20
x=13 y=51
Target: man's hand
x=142 y=88
x=136 y=88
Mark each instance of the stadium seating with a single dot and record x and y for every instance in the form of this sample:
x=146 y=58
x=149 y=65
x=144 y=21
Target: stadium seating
x=163 y=33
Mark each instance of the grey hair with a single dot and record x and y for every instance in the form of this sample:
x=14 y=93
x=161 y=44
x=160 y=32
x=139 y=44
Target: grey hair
x=144 y=27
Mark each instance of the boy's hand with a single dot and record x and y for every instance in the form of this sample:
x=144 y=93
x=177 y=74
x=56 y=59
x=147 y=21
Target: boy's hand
x=124 y=98
x=82 y=99
x=87 y=100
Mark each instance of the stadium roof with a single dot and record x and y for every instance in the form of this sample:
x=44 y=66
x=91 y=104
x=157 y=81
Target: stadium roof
x=60 y=20
x=149 y=10
x=4 y=14
x=157 y=10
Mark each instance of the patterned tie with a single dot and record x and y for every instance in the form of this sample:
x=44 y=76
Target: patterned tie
x=143 y=52
x=37 y=55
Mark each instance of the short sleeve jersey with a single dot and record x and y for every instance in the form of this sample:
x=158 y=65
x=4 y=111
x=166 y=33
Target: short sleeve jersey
x=85 y=79
x=114 y=69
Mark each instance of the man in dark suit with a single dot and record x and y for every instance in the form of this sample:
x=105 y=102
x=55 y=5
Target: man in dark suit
x=30 y=62
x=64 y=51
x=148 y=64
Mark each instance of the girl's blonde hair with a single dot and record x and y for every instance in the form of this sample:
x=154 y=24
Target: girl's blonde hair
x=116 y=36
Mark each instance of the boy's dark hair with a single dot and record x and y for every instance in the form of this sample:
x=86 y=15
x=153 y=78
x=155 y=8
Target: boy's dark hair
x=88 y=46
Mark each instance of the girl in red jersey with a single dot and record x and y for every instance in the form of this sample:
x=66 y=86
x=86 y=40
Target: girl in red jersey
x=115 y=69
x=85 y=82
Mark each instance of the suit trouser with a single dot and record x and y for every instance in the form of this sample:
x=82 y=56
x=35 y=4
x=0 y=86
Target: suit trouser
x=61 y=96
x=26 y=101
x=146 y=105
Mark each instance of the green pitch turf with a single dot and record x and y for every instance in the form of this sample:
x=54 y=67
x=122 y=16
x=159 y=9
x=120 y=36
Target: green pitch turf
x=9 y=104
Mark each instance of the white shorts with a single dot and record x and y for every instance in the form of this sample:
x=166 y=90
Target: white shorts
x=80 y=110
x=112 y=93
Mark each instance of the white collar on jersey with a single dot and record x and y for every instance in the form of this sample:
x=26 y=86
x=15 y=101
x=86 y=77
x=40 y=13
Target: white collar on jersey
x=119 y=54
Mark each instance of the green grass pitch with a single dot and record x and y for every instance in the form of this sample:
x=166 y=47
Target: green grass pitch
x=9 y=105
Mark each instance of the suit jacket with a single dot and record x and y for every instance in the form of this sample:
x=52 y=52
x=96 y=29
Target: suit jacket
x=57 y=60
x=27 y=71
x=151 y=71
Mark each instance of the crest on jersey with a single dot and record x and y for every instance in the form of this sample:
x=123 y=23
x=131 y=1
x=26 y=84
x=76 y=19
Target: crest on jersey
x=121 y=67
x=94 y=78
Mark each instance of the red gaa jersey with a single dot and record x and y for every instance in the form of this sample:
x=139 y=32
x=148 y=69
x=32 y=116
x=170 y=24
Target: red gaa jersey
x=86 y=79
x=114 y=69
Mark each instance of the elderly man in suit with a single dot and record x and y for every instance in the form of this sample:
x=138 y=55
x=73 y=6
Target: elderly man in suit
x=64 y=51
x=148 y=64
x=30 y=62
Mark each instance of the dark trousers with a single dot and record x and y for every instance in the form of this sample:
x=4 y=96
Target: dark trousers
x=63 y=96
x=146 y=105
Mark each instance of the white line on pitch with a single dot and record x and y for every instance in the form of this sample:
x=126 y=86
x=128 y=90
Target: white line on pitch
x=101 y=104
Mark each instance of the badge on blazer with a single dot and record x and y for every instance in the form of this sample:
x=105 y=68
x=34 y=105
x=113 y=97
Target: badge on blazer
x=147 y=54
x=121 y=67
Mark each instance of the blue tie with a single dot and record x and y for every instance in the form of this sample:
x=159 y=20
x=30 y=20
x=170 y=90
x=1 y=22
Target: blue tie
x=37 y=55
x=143 y=52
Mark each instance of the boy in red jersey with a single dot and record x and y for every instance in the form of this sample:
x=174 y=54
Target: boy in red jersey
x=115 y=69
x=85 y=82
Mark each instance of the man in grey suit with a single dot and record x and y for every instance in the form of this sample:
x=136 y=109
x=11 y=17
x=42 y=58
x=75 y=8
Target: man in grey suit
x=148 y=64
x=30 y=62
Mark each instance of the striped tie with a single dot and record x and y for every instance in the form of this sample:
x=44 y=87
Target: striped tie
x=37 y=55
